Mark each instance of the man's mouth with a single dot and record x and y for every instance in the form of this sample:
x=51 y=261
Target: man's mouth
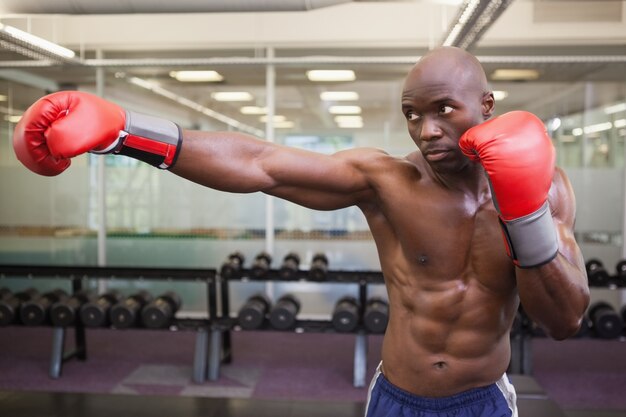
x=437 y=155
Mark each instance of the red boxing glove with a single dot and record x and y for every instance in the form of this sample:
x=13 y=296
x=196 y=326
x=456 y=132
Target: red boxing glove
x=519 y=160
x=62 y=125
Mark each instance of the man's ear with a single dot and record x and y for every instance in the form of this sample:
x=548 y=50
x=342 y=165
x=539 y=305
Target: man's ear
x=488 y=105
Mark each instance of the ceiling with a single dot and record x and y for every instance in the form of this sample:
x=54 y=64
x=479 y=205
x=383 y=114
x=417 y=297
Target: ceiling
x=570 y=79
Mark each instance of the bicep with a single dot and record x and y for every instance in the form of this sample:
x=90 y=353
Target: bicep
x=318 y=181
x=240 y=163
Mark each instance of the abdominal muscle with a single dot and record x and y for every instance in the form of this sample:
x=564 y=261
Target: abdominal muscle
x=447 y=339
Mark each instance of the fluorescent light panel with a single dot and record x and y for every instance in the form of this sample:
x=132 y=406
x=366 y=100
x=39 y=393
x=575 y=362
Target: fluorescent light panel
x=470 y=7
x=330 y=75
x=197 y=76
x=232 y=96
x=348 y=119
x=286 y=124
x=37 y=41
x=620 y=123
x=344 y=110
x=13 y=118
x=351 y=125
x=599 y=127
x=616 y=108
x=276 y=118
x=339 y=95
x=253 y=110
x=506 y=74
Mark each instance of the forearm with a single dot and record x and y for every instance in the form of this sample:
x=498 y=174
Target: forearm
x=226 y=161
x=554 y=295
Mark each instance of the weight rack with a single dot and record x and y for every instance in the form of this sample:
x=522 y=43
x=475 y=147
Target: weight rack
x=79 y=273
x=221 y=328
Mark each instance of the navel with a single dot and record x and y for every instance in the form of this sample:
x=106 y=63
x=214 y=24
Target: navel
x=423 y=259
x=440 y=365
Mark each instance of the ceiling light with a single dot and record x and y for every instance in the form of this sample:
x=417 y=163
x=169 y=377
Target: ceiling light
x=616 y=108
x=473 y=19
x=253 y=110
x=40 y=43
x=157 y=89
x=351 y=125
x=620 y=123
x=339 y=95
x=13 y=118
x=197 y=76
x=232 y=96
x=331 y=75
x=500 y=95
x=286 y=124
x=348 y=119
x=513 y=74
x=276 y=118
x=344 y=110
x=599 y=127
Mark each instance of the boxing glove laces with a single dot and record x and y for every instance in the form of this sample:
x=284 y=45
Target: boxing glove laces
x=519 y=160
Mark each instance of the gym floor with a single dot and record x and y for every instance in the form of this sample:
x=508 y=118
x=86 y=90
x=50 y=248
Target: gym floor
x=145 y=372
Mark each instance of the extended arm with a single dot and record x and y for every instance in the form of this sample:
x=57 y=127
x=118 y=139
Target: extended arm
x=556 y=295
x=65 y=124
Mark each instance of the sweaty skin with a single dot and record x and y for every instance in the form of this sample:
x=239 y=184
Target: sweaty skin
x=453 y=291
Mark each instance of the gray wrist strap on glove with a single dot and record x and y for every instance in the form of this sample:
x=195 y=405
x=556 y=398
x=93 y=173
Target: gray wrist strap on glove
x=150 y=139
x=531 y=239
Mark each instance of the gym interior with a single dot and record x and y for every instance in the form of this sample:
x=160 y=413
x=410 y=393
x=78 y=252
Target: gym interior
x=127 y=290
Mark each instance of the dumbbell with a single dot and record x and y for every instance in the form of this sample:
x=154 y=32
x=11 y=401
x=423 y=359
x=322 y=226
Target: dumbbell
x=233 y=265
x=283 y=314
x=596 y=274
x=95 y=313
x=319 y=267
x=10 y=305
x=346 y=314
x=159 y=313
x=607 y=323
x=621 y=273
x=261 y=265
x=253 y=312
x=290 y=266
x=622 y=312
x=376 y=315
x=127 y=313
x=65 y=312
x=37 y=311
x=5 y=292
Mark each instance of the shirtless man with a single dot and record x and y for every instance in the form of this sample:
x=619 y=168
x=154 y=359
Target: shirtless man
x=438 y=217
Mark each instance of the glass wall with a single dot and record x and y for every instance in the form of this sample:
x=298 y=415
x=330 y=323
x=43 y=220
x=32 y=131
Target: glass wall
x=156 y=219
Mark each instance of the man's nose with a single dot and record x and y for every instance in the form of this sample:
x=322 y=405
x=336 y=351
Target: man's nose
x=430 y=130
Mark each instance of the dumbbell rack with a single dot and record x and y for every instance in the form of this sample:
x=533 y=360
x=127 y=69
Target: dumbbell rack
x=223 y=325
x=77 y=273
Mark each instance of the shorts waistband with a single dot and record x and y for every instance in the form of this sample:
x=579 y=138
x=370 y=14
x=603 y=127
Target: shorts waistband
x=463 y=399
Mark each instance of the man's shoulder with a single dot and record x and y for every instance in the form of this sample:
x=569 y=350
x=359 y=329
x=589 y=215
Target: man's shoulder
x=379 y=162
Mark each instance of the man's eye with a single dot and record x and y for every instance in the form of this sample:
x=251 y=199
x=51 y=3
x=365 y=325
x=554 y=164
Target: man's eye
x=445 y=109
x=411 y=116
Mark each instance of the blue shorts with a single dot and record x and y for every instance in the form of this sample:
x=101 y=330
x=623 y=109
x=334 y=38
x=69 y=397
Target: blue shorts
x=387 y=400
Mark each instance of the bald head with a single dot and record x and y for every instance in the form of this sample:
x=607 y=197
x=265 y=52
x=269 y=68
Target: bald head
x=451 y=65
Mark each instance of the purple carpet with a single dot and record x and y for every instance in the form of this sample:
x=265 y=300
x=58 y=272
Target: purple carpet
x=581 y=373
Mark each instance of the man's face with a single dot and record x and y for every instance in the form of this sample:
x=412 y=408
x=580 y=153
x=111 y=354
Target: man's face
x=438 y=111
